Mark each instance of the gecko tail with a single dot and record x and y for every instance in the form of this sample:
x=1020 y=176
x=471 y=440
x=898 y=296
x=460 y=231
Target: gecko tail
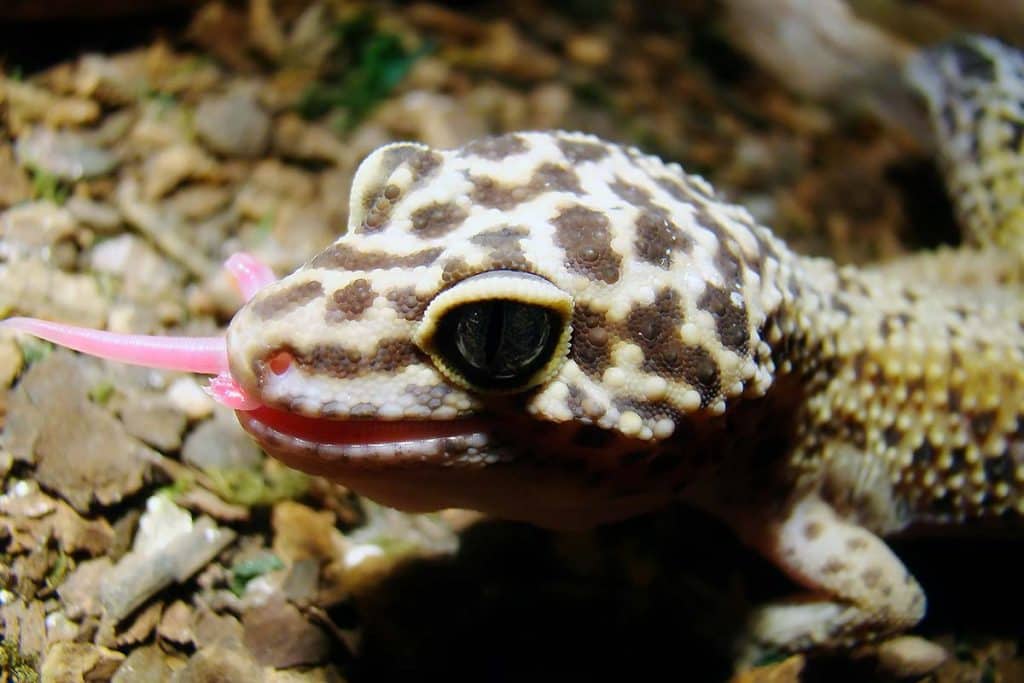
x=203 y=355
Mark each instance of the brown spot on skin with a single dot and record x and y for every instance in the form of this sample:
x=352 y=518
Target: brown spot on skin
x=871 y=576
x=343 y=257
x=730 y=319
x=456 y=269
x=407 y=304
x=547 y=178
x=812 y=530
x=632 y=194
x=394 y=354
x=363 y=409
x=377 y=216
x=390 y=356
x=590 y=341
x=856 y=434
x=658 y=238
x=391 y=158
x=424 y=164
x=496 y=148
x=924 y=455
x=500 y=237
x=957 y=460
x=681 y=190
x=349 y=302
x=833 y=566
x=892 y=436
x=268 y=306
x=509 y=259
x=855 y=543
x=505 y=250
x=379 y=212
x=651 y=325
x=839 y=305
x=981 y=424
x=728 y=263
x=494 y=195
x=555 y=178
x=848 y=282
x=655 y=329
x=578 y=151
x=438 y=219
x=584 y=235
x=954 y=396
x=699 y=369
x=999 y=468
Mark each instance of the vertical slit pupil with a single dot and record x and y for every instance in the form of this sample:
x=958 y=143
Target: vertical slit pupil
x=498 y=342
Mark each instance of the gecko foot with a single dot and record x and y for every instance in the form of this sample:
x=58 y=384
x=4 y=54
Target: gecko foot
x=859 y=590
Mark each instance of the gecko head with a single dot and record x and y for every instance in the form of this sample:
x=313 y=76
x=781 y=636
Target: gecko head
x=540 y=326
x=519 y=326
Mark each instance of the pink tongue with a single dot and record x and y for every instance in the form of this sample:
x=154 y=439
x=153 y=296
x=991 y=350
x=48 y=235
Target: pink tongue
x=226 y=391
x=204 y=355
x=250 y=274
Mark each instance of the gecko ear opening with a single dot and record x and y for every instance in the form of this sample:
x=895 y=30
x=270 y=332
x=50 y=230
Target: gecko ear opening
x=368 y=185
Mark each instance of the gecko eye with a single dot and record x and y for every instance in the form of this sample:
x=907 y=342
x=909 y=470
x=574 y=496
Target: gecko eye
x=498 y=332
x=497 y=343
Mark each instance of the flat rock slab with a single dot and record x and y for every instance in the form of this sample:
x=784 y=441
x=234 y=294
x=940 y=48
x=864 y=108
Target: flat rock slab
x=80 y=450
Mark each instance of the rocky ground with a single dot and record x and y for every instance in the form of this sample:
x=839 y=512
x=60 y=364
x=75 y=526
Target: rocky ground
x=144 y=537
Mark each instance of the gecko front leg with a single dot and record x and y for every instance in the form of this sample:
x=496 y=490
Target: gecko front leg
x=860 y=590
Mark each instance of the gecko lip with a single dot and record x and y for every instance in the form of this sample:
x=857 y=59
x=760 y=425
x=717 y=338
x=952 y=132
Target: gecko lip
x=296 y=439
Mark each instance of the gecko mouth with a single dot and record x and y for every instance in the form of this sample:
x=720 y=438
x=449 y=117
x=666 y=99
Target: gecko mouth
x=315 y=444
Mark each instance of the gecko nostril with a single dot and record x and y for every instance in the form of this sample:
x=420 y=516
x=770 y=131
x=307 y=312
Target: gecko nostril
x=280 y=361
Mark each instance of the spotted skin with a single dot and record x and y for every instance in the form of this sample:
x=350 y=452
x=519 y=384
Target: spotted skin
x=814 y=407
x=974 y=89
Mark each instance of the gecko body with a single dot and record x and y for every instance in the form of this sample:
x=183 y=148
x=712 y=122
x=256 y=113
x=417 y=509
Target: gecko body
x=548 y=327
x=688 y=353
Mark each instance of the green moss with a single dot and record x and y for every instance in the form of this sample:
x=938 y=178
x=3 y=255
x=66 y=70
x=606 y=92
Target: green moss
x=180 y=487
x=244 y=571
x=34 y=350
x=362 y=71
x=15 y=666
x=58 y=571
x=245 y=486
x=266 y=224
x=48 y=187
x=164 y=100
x=101 y=392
